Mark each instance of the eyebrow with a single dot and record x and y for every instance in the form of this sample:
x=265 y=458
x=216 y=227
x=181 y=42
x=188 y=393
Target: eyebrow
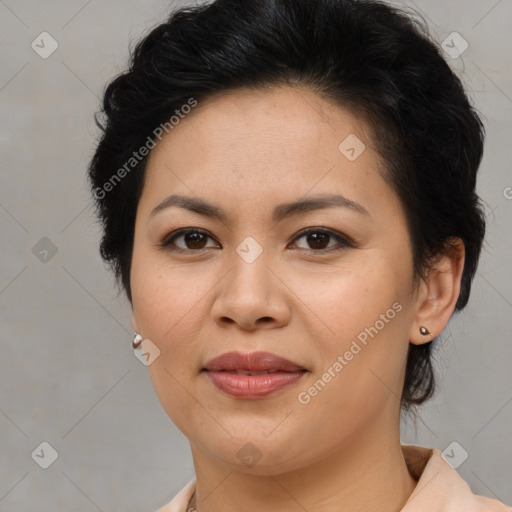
x=280 y=212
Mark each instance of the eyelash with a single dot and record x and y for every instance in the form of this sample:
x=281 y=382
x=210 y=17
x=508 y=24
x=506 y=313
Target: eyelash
x=343 y=240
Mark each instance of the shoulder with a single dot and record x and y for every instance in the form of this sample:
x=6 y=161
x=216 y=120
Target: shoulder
x=180 y=501
x=440 y=488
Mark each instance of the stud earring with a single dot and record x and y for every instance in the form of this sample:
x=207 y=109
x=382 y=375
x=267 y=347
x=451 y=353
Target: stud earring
x=424 y=331
x=137 y=340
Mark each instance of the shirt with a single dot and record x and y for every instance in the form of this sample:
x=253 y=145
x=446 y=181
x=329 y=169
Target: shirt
x=439 y=487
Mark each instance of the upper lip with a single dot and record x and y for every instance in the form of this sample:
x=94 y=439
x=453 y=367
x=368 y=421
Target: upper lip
x=251 y=361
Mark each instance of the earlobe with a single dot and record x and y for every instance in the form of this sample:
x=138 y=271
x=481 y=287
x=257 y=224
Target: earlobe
x=439 y=293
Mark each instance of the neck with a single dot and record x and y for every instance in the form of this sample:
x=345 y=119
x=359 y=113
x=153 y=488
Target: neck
x=366 y=474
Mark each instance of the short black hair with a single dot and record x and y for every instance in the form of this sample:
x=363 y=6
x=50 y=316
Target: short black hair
x=378 y=61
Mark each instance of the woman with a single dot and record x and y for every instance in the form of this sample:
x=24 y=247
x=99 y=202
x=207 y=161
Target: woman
x=287 y=191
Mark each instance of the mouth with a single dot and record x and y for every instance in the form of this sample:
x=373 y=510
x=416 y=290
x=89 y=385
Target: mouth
x=252 y=375
x=253 y=362
x=252 y=372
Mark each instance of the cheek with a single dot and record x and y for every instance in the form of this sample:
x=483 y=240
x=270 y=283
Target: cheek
x=349 y=298
x=168 y=304
x=361 y=375
x=361 y=324
x=166 y=298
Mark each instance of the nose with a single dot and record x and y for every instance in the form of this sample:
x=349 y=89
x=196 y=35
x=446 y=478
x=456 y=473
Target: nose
x=252 y=296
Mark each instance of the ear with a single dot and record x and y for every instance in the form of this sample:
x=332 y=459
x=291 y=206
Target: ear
x=134 y=323
x=438 y=293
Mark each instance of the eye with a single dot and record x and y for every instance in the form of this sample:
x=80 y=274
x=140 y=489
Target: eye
x=317 y=238
x=195 y=239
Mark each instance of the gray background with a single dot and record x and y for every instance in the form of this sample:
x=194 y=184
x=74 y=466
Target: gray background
x=67 y=372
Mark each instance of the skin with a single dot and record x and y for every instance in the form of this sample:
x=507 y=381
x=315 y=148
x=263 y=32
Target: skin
x=247 y=151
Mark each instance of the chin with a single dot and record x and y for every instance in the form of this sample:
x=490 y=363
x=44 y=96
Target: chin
x=254 y=454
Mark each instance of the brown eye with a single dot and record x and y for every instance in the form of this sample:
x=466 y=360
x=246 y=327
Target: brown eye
x=193 y=239
x=318 y=239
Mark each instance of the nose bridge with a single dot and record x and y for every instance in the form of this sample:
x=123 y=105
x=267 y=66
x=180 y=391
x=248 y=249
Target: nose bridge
x=250 y=270
x=250 y=291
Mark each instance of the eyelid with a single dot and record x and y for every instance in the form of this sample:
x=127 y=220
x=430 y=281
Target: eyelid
x=342 y=239
x=166 y=242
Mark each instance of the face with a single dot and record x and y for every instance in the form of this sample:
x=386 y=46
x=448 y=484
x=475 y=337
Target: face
x=337 y=301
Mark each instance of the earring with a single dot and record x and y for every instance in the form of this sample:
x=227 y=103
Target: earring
x=137 y=340
x=424 y=331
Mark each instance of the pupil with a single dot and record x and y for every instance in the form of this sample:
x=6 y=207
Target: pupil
x=196 y=240
x=193 y=238
x=313 y=239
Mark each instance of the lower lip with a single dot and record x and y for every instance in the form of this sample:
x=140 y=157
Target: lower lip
x=253 y=386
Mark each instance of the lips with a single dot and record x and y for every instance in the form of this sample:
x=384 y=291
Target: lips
x=252 y=363
x=252 y=375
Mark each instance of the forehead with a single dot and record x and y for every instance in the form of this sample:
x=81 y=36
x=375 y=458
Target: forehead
x=251 y=151
x=272 y=129
x=255 y=149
